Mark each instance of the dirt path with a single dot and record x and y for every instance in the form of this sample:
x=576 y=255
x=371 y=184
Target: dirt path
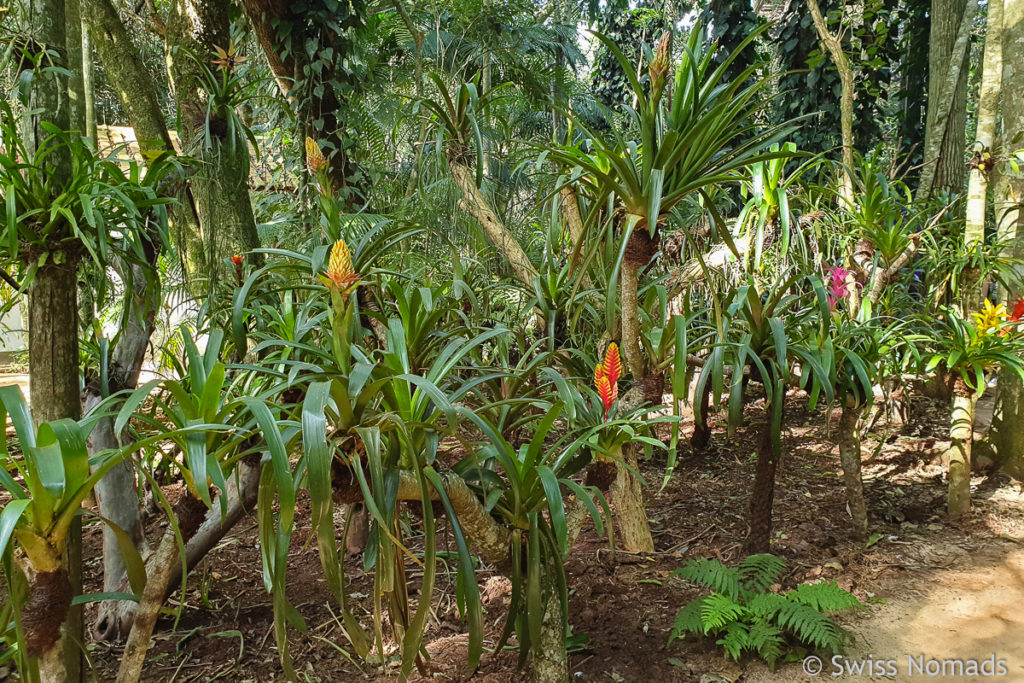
x=964 y=602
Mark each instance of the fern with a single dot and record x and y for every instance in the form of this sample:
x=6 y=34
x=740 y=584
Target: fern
x=825 y=597
x=712 y=574
x=761 y=571
x=688 y=620
x=766 y=639
x=746 y=617
x=809 y=625
x=717 y=610
x=736 y=639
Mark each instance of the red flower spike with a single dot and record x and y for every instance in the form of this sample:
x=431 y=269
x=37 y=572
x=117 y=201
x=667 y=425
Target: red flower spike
x=237 y=259
x=1018 y=310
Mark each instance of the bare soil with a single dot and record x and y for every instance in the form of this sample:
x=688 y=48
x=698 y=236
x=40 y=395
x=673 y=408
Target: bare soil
x=932 y=587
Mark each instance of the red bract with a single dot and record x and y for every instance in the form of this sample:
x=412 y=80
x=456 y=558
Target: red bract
x=237 y=259
x=1017 y=315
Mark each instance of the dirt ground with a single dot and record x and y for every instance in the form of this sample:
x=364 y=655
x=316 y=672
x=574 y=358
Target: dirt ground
x=932 y=588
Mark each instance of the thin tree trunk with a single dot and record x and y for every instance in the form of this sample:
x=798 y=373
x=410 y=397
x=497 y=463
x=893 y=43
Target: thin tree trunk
x=549 y=662
x=117 y=491
x=628 y=499
x=88 y=86
x=849 y=456
x=629 y=305
x=977 y=184
x=1006 y=433
x=961 y=436
x=76 y=82
x=149 y=609
x=834 y=45
x=626 y=492
x=701 y=429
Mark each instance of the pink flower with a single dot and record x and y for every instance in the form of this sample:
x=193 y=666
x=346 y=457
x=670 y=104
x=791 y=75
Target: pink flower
x=837 y=285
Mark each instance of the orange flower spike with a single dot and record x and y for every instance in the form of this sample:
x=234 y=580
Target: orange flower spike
x=598 y=373
x=613 y=368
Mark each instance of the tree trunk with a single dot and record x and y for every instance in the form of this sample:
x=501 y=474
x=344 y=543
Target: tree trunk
x=149 y=609
x=131 y=79
x=319 y=113
x=961 y=436
x=549 y=662
x=76 y=82
x=117 y=491
x=948 y=62
x=88 y=86
x=1006 y=434
x=220 y=188
x=629 y=307
x=628 y=499
x=53 y=386
x=833 y=44
x=850 y=455
x=53 y=315
x=476 y=204
x=977 y=184
x=763 y=496
x=701 y=429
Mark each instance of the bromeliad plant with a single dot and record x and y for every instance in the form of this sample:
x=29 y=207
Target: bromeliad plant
x=698 y=140
x=970 y=353
x=369 y=423
x=770 y=333
x=58 y=475
x=632 y=185
x=860 y=354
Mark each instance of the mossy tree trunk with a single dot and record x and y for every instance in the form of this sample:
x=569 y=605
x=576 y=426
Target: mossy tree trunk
x=117 y=494
x=220 y=184
x=53 y=314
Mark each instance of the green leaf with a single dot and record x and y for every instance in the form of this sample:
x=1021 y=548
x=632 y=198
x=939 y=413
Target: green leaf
x=9 y=517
